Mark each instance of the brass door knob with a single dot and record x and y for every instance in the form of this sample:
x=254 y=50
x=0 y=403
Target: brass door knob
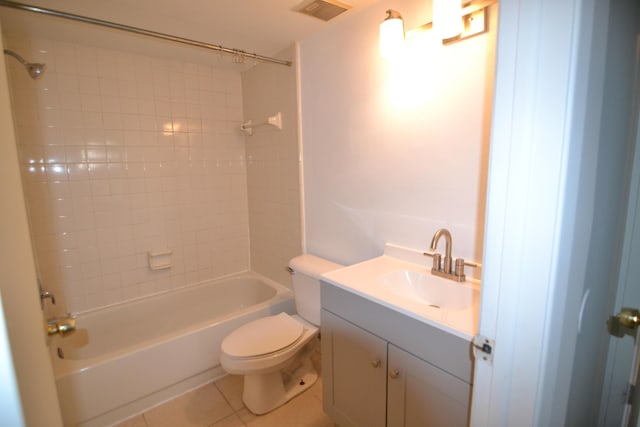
x=62 y=326
x=624 y=323
x=629 y=317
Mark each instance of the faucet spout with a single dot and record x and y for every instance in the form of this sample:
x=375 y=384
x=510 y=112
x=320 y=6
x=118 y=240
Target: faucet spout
x=447 y=251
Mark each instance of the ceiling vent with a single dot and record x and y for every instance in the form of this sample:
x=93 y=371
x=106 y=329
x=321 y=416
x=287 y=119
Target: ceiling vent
x=323 y=9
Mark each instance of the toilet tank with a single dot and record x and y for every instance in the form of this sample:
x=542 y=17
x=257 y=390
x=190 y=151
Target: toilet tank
x=306 y=270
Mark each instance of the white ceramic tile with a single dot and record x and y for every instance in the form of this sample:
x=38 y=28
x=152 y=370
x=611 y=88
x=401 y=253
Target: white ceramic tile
x=86 y=66
x=130 y=122
x=101 y=104
x=88 y=85
x=146 y=122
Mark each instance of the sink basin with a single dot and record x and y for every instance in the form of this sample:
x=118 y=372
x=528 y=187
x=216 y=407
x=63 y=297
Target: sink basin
x=401 y=280
x=428 y=289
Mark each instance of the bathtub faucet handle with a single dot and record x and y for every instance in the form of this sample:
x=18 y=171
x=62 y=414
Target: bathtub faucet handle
x=44 y=294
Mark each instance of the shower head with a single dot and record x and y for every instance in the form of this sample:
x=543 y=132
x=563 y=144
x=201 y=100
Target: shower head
x=34 y=69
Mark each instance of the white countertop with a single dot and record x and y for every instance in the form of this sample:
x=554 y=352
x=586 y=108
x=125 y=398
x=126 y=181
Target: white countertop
x=364 y=279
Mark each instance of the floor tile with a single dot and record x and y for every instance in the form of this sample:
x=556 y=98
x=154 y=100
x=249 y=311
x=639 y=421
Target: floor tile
x=231 y=387
x=137 y=421
x=201 y=407
x=231 y=421
x=220 y=404
x=303 y=410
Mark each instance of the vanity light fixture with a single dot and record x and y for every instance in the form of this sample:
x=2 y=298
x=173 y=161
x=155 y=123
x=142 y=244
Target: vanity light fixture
x=451 y=21
x=391 y=34
x=446 y=18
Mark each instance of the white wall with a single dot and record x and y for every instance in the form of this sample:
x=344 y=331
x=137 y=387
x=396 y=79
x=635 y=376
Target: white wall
x=273 y=177
x=394 y=150
x=122 y=154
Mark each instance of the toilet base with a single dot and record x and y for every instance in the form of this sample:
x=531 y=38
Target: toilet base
x=265 y=392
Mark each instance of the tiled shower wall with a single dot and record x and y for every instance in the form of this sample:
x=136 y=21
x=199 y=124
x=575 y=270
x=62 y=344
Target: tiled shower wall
x=124 y=154
x=273 y=168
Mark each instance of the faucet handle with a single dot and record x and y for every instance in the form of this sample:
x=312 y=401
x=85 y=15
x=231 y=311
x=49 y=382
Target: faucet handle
x=473 y=264
x=437 y=260
x=459 y=270
x=44 y=294
x=437 y=265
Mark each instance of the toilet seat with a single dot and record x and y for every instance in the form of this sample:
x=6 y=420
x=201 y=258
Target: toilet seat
x=263 y=336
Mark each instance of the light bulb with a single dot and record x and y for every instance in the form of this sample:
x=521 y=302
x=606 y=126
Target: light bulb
x=391 y=35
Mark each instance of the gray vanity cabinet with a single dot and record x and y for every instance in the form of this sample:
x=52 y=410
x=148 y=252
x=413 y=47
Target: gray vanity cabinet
x=421 y=395
x=378 y=369
x=356 y=373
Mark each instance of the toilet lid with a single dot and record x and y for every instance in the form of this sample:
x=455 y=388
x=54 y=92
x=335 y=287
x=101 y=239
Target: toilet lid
x=263 y=336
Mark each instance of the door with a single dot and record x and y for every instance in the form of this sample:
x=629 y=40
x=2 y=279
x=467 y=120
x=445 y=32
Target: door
x=622 y=366
x=24 y=324
x=555 y=209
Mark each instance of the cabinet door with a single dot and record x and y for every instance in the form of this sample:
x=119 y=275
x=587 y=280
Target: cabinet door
x=421 y=395
x=353 y=373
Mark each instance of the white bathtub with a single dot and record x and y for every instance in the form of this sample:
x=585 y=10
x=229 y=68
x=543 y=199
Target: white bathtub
x=128 y=357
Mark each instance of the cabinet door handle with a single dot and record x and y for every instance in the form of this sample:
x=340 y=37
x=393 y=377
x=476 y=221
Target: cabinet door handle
x=394 y=374
x=376 y=363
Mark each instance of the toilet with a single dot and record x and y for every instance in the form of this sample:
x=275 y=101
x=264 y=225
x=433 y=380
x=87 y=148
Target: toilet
x=274 y=353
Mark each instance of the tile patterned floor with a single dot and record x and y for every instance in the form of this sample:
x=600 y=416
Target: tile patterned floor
x=219 y=404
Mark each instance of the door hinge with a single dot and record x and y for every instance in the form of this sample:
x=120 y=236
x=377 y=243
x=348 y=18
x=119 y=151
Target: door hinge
x=483 y=348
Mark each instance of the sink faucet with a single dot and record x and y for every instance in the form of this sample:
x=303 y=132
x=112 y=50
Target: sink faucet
x=446 y=268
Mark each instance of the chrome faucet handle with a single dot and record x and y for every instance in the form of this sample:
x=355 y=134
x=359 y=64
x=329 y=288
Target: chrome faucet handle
x=472 y=264
x=437 y=260
x=46 y=294
x=459 y=271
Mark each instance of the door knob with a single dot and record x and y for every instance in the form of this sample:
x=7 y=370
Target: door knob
x=624 y=323
x=61 y=325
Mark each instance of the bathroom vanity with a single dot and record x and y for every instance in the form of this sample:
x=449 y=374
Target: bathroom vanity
x=391 y=357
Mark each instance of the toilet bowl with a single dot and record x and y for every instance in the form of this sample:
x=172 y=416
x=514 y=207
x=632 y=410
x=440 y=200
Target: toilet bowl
x=274 y=353
x=266 y=344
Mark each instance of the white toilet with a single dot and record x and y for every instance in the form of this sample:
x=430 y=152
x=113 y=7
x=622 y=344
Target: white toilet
x=274 y=353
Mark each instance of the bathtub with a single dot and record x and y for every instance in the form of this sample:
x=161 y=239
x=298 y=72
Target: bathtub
x=128 y=357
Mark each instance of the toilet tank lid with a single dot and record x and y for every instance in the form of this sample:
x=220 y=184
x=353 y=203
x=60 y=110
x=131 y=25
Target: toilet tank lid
x=312 y=265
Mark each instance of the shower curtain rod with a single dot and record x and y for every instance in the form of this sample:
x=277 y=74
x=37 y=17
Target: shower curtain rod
x=149 y=33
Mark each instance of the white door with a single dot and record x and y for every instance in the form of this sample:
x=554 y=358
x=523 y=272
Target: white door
x=622 y=366
x=18 y=286
x=555 y=209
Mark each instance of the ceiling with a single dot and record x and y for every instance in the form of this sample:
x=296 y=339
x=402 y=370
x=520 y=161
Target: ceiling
x=261 y=26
